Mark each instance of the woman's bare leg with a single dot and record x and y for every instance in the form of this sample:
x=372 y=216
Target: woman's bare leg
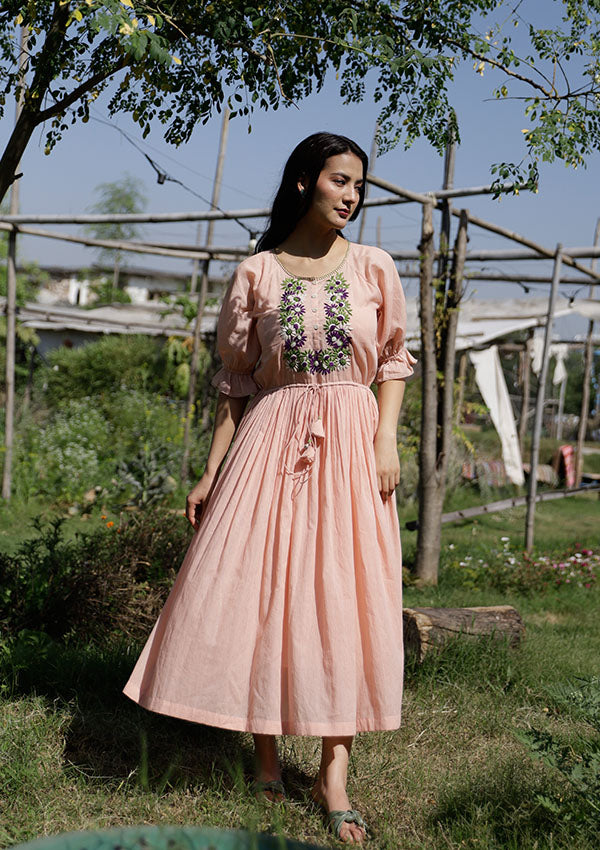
x=267 y=762
x=330 y=787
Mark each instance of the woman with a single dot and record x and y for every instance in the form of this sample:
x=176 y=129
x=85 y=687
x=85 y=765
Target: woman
x=286 y=616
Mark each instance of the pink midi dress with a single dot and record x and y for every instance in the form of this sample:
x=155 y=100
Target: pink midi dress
x=286 y=614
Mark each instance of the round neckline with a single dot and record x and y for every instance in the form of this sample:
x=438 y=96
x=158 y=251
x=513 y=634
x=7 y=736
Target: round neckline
x=319 y=277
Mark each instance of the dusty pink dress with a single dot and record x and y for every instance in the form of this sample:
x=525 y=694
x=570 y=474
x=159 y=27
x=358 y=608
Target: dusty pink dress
x=286 y=615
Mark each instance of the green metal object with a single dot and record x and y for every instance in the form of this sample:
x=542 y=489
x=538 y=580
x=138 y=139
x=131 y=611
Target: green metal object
x=165 y=838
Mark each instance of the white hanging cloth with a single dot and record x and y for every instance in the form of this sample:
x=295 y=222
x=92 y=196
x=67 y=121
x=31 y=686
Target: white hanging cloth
x=559 y=350
x=537 y=351
x=492 y=386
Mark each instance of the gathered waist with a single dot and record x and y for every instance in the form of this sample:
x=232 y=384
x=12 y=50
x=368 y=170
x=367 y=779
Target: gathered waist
x=308 y=417
x=313 y=387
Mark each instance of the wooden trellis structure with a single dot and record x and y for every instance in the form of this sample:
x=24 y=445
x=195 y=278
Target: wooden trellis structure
x=452 y=263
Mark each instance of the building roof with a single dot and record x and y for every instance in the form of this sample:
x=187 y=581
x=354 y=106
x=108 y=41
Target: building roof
x=480 y=320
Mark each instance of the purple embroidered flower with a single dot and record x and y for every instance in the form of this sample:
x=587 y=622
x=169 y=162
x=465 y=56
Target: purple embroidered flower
x=337 y=327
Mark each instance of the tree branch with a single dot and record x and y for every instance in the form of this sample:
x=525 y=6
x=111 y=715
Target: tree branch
x=274 y=61
x=484 y=58
x=53 y=43
x=71 y=98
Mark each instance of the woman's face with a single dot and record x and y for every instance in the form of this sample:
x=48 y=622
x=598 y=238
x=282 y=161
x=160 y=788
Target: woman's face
x=336 y=192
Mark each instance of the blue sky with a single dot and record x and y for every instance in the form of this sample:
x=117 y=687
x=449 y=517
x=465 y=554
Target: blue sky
x=565 y=209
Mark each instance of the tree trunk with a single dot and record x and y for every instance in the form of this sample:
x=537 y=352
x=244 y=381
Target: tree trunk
x=19 y=139
x=426 y=629
x=438 y=355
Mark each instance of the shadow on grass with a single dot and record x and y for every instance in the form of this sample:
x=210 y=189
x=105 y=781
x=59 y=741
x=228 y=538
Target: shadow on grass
x=110 y=738
x=497 y=807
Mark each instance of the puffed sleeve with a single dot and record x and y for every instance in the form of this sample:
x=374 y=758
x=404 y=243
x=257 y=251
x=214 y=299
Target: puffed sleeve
x=237 y=340
x=394 y=360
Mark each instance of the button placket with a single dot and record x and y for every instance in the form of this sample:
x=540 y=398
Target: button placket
x=314 y=303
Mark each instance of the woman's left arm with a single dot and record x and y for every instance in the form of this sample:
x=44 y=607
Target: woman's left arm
x=389 y=401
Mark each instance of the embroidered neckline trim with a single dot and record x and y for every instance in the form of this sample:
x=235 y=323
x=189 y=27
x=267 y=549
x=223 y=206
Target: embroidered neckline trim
x=319 y=277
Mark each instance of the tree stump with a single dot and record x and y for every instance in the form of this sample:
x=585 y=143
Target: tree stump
x=430 y=628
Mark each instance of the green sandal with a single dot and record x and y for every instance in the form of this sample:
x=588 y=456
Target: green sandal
x=275 y=786
x=337 y=817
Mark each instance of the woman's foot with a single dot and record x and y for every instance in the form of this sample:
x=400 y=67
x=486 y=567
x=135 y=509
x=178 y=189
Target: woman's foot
x=268 y=785
x=335 y=799
x=329 y=790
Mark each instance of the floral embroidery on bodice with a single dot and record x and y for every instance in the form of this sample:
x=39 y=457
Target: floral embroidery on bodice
x=337 y=326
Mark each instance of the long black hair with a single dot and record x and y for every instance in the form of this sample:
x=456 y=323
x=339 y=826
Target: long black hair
x=306 y=161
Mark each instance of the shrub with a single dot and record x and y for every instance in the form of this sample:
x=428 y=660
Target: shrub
x=72 y=452
x=127 y=444
x=121 y=363
x=145 y=476
x=113 y=363
x=111 y=582
x=506 y=569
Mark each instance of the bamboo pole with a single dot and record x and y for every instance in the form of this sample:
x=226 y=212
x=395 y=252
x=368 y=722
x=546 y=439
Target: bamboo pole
x=11 y=296
x=372 y=158
x=484 y=255
x=505 y=504
x=561 y=409
x=216 y=215
x=485 y=225
x=136 y=218
x=446 y=318
x=189 y=406
x=11 y=292
x=462 y=377
x=526 y=355
x=185 y=252
x=444 y=206
x=587 y=376
x=227 y=253
x=539 y=404
x=452 y=307
x=499 y=277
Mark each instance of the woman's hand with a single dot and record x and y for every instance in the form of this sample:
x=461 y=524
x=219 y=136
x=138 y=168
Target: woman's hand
x=227 y=417
x=197 y=498
x=387 y=464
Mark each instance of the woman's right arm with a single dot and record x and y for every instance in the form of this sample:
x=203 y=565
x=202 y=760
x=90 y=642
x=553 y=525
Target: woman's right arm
x=228 y=415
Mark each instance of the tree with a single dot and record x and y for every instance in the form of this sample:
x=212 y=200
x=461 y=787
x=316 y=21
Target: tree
x=122 y=196
x=177 y=62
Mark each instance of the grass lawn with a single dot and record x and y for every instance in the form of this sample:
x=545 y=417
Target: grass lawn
x=75 y=754
x=558 y=524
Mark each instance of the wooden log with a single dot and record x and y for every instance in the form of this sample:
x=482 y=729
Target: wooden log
x=426 y=629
